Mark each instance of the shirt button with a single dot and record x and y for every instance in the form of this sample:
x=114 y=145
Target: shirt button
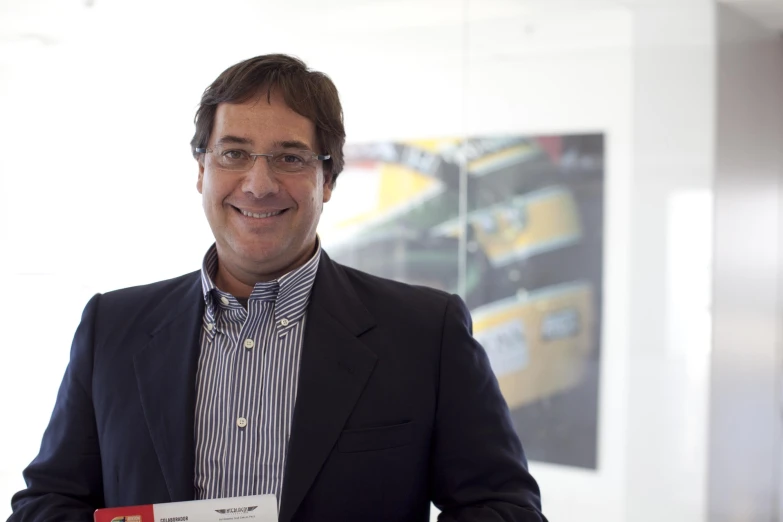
x=210 y=326
x=241 y=422
x=224 y=300
x=283 y=322
x=249 y=344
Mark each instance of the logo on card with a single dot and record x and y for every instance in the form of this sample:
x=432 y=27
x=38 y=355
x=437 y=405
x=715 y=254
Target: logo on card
x=236 y=511
x=135 y=518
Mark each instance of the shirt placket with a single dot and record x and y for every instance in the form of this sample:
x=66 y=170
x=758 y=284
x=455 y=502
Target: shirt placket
x=230 y=390
x=247 y=348
x=250 y=399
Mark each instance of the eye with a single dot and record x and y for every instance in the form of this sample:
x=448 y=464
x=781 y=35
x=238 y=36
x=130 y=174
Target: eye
x=291 y=159
x=234 y=155
x=289 y=162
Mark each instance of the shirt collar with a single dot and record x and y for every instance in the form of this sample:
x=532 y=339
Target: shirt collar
x=290 y=292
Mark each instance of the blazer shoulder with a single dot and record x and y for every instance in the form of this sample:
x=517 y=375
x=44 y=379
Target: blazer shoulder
x=151 y=302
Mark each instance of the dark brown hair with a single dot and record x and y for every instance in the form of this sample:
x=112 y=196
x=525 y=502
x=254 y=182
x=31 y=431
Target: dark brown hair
x=309 y=93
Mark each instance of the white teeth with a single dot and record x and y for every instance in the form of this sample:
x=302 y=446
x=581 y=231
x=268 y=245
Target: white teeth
x=251 y=214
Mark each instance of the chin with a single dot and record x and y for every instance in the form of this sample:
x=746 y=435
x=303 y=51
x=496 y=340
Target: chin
x=271 y=252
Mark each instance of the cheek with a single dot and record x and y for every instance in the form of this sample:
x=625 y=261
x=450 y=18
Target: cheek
x=306 y=195
x=214 y=190
x=316 y=202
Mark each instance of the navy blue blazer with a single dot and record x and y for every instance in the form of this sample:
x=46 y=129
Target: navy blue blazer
x=397 y=406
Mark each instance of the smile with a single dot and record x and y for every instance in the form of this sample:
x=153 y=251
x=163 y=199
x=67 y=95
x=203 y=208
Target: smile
x=260 y=216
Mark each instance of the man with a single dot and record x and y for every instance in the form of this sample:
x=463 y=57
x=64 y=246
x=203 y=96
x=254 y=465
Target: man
x=274 y=370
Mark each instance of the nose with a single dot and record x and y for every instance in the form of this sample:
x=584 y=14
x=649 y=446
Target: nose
x=260 y=181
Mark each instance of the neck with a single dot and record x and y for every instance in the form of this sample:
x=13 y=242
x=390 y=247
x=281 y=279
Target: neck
x=237 y=281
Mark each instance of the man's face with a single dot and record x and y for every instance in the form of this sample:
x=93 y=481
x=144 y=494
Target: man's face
x=291 y=204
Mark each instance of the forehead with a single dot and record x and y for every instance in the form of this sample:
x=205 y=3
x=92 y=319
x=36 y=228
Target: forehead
x=263 y=122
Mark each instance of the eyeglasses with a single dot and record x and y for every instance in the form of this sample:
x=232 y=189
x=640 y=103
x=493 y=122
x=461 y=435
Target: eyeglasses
x=284 y=161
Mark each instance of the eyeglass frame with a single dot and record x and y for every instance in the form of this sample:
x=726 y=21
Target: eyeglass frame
x=267 y=155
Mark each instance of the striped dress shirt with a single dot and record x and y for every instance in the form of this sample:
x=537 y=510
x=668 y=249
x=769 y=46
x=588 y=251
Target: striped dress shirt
x=248 y=371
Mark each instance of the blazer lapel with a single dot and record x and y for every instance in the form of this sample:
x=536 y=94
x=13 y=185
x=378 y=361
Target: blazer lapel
x=166 y=376
x=334 y=369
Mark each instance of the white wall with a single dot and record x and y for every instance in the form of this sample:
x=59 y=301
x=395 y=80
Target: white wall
x=668 y=319
x=745 y=431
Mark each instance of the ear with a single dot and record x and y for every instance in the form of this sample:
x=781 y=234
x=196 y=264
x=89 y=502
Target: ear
x=328 y=186
x=200 y=181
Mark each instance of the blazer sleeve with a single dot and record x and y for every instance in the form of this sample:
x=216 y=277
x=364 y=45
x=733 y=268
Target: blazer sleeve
x=64 y=482
x=479 y=471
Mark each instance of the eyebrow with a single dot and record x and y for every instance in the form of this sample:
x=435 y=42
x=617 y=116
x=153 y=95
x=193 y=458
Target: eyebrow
x=234 y=139
x=285 y=144
x=292 y=144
